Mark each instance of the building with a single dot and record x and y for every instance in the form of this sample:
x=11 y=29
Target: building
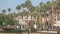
x=24 y=19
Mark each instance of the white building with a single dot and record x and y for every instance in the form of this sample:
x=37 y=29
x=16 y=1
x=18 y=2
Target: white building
x=24 y=20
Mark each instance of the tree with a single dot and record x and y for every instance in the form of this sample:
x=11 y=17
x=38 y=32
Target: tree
x=9 y=16
x=1 y=19
x=4 y=16
x=9 y=9
x=3 y=11
x=49 y=4
x=58 y=2
x=29 y=5
x=18 y=7
x=25 y=13
x=43 y=10
x=9 y=19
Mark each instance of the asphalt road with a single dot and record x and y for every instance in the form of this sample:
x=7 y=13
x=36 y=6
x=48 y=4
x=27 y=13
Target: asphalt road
x=27 y=33
x=49 y=33
x=30 y=33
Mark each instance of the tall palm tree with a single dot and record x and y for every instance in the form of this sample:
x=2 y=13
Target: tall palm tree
x=25 y=13
x=43 y=9
x=9 y=9
x=4 y=11
x=29 y=5
x=18 y=7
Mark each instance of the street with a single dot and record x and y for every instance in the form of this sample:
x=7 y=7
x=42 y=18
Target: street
x=27 y=33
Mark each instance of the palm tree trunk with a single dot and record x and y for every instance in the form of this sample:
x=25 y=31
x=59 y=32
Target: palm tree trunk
x=14 y=19
x=52 y=15
x=41 y=22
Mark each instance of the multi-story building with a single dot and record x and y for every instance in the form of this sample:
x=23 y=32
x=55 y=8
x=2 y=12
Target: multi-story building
x=57 y=17
x=24 y=19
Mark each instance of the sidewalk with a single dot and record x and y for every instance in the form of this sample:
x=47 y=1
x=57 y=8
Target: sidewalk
x=48 y=31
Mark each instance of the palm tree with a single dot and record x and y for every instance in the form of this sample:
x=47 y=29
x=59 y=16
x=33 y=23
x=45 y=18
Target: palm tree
x=52 y=5
x=9 y=9
x=43 y=9
x=18 y=7
x=29 y=5
x=4 y=11
x=25 y=13
x=58 y=2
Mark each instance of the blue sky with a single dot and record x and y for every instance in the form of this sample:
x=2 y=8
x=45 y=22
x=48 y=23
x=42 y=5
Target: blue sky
x=5 y=4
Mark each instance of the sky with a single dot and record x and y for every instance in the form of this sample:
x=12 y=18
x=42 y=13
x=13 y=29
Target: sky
x=5 y=4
